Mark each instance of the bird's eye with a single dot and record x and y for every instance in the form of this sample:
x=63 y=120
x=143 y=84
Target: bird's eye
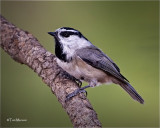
x=65 y=34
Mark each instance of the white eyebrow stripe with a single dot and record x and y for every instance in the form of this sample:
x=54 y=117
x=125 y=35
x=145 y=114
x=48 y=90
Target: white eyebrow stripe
x=62 y=30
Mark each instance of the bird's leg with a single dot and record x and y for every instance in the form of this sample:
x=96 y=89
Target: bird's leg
x=79 y=90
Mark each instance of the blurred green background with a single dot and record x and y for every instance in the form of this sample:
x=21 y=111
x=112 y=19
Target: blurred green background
x=126 y=31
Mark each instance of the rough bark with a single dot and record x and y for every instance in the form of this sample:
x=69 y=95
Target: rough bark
x=24 y=48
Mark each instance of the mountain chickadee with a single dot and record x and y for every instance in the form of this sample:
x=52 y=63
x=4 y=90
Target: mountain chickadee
x=81 y=59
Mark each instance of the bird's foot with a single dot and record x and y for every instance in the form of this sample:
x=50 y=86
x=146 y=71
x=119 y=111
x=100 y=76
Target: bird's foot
x=68 y=76
x=76 y=92
x=78 y=82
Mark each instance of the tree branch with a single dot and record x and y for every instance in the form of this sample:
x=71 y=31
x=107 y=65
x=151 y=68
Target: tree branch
x=25 y=49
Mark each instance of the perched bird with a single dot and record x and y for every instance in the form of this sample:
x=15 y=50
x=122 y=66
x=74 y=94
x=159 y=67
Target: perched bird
x=81 y=59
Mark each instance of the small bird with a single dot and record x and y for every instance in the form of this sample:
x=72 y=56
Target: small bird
x=81 y=59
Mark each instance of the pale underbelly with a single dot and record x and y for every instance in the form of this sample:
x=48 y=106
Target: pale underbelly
x=81 y=70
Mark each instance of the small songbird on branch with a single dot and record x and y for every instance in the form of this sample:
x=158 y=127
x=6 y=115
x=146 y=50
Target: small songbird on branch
x=81 y=59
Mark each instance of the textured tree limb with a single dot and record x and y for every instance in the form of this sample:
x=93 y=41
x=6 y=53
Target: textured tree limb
x=25 y=49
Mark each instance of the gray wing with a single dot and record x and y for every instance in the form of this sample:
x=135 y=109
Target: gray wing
x=95 y=57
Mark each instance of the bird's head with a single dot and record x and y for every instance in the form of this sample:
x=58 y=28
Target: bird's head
x=69 y=37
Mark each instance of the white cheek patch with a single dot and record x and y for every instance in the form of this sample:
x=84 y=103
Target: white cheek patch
x=68 y=51
x=72 y=43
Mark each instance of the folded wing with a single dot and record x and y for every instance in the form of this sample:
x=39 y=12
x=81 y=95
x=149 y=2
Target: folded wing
x=96 y=58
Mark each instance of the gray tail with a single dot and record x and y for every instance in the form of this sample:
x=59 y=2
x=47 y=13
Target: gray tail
x=132 y=92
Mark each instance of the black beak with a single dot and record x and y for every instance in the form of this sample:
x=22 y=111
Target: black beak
x=52 y=33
